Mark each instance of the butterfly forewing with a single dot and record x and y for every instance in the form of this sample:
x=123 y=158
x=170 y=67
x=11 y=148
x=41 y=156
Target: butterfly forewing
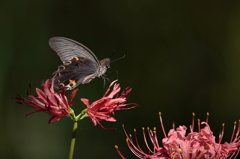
x=67 y=49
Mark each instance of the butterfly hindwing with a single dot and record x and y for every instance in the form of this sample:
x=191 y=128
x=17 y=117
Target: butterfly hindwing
x=78 y=71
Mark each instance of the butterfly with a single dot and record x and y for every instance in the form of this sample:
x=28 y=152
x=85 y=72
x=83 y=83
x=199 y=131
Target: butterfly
x=80 y=64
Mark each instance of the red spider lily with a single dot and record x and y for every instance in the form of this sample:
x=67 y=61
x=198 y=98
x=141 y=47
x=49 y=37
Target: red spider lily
x=178 y=145
x=104 y=108
x=47 y=100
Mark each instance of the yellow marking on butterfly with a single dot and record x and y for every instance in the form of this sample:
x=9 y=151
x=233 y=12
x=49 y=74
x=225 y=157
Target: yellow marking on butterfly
x=69 y=61
x=59 y=81
x=76 y=58
x=59 y=74
x=63 y=67
x=72 y=82
x=62 y=84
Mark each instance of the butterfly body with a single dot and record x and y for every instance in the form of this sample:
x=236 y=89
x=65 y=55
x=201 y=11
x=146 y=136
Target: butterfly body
x=80 y=64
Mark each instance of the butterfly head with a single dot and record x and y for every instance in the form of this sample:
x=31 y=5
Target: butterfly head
x=104 y=65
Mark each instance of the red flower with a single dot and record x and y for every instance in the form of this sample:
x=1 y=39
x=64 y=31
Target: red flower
x=178 y=145
x=104 y=108
x=56 y=104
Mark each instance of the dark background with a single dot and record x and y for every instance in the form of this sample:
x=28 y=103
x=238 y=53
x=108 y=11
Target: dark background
x=181 y=57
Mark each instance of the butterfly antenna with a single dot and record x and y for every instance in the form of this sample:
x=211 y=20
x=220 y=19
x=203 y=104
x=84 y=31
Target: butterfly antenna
x=112 y=54
x=118 y=58
x=115 y=71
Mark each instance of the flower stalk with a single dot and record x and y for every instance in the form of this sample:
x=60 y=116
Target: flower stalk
x=73 y=140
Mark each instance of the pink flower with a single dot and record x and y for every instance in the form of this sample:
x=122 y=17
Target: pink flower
x=47 y=100
x=153 y=151
x=200 y=144
x=104 y=108
x=179 y=145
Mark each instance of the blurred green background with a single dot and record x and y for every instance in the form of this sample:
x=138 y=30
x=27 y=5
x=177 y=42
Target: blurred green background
x=181 y=57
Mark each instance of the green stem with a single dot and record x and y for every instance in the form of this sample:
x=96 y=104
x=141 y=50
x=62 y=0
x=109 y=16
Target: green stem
x=72 y=145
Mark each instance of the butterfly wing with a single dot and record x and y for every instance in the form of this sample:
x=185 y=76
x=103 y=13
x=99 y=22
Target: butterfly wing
x=80 y=64
x=79 y=71
x=67 y=49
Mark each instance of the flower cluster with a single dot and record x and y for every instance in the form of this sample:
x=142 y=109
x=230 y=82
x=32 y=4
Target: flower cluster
x=179 y=145
x=58 y=106
x=104 y=108
x=47 y=100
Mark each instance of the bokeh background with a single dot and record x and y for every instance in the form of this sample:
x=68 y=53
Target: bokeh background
x=181 y=57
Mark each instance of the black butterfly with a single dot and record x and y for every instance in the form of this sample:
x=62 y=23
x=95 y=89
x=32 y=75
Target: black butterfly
x=80 y=64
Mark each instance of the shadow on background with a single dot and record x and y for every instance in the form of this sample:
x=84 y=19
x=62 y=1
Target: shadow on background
x=181 y=57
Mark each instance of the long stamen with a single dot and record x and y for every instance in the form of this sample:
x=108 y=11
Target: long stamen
x=233 y=132
x=155 y=137
x=192 y=126
x=221 y=134
x=145 y=139
x=136 y=139
x=119 y=152
x=207 y=117
x=161 y=123
x=199 y=123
